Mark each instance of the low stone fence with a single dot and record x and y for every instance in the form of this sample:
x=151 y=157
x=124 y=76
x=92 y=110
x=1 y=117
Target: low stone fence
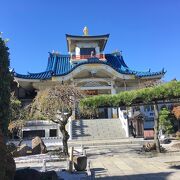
x=48 y=141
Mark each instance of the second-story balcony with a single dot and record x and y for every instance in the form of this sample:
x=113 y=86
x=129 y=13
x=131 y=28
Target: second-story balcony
x=85 y=57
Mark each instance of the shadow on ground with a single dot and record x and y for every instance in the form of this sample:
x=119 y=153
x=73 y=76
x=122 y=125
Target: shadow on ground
x=175 y=167
x=39 y=168
x=112 y=152
x=149 y=176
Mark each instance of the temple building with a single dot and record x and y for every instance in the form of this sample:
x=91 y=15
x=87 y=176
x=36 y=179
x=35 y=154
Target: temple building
x=89 y=68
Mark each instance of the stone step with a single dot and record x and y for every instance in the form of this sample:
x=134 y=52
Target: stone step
x=97 y=129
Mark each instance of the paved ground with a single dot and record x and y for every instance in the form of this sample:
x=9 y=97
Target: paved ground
x=123 y=161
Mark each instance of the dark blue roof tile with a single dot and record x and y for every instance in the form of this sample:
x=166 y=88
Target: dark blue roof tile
x=59 y=65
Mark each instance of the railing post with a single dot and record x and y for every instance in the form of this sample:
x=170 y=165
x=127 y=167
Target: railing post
x=71 y=160
x=70 y=128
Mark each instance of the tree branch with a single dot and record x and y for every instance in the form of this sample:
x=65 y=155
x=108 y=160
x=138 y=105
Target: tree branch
x=57 y=122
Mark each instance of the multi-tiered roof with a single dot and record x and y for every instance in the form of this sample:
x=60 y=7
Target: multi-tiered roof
x=62 y=65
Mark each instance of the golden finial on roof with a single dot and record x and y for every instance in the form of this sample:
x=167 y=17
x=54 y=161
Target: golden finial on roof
x=85 y=31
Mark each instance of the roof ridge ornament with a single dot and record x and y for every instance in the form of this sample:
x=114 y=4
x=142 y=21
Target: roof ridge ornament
x=85 y=31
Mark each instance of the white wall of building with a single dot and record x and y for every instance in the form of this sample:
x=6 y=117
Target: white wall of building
x=42 y=125
x=77 y=51
x=124 y=121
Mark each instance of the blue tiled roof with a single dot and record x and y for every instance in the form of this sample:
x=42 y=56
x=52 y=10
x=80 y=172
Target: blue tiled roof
x=42 y=75
x=60 y=65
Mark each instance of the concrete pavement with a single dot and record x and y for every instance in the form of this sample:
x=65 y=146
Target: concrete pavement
x=135 y=168
x=125 y=162
x=117 y=160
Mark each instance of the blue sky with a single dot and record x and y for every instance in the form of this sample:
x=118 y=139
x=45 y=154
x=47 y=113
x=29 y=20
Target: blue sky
x=147 y=31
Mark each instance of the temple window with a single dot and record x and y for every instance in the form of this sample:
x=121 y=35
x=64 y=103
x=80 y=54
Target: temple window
x=87 y=51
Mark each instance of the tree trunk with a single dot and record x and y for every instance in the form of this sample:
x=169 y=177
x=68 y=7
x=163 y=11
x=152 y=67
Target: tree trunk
x=65 y=136
x=156 y=128
x=64 y=139
x=3 y=161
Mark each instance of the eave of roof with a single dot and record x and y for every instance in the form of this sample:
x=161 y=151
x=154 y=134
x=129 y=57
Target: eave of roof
x=60 y=65
x=87 y=37
x=41 y=76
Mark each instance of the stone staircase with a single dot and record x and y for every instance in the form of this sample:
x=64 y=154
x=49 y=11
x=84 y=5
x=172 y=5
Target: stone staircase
x=89 y=129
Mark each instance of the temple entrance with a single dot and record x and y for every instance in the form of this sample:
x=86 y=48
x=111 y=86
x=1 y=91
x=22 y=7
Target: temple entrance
x=136 y=127
x=103 y=113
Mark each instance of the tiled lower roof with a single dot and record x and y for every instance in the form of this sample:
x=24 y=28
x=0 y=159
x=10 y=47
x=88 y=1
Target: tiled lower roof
x=60 y=65
x=41 y=75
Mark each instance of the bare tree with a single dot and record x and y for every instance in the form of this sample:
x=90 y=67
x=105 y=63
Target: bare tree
x=176 y=112
x=57 y=104
x=18 y=116
x=15 y=127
